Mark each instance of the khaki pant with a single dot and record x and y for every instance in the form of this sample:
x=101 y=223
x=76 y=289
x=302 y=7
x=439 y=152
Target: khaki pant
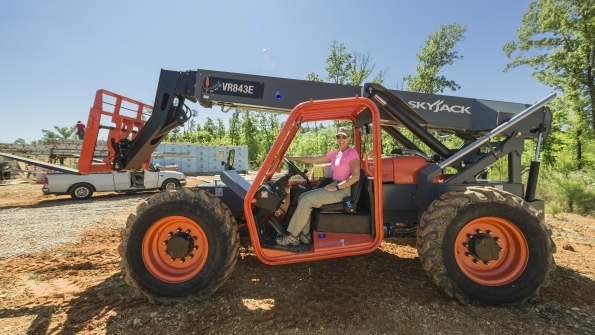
x=300 y=221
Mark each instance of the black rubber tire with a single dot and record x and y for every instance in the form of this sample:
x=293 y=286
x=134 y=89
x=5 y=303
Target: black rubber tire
x=81 y=191
x=445 y=218
x=167 y=182
x=216 y=220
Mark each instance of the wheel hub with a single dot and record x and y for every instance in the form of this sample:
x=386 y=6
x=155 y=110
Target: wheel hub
x=484 y=247
x=180 y=245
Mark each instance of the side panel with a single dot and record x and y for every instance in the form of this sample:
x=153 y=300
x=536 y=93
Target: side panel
x=121 y=181
x=398 y=203
x=152 y=179
x=60 y=183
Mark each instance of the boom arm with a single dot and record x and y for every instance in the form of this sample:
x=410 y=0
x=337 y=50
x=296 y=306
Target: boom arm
x=462 y=116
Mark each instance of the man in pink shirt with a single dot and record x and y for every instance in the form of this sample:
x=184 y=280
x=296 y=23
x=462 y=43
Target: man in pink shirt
x=345 y=164
x=80 y=130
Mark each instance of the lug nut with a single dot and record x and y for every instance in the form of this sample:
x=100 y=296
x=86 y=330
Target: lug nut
x=178 y=230
x=501 y=249
x=170 y=233
x=194 y=238
x=497 y=239
x=188 y=231
x=172 y=259
x=165 y=252
x=465 y=244
x=475 y=261
x=486 y=262
x=191 y=256
x=182 y=260
x=467 y=254
x=195 y=248
x=469 y=236
x=478 y=231
x=165 y=242
x=489 y=232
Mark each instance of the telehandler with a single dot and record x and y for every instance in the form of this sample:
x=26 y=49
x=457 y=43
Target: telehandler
x=478 y=239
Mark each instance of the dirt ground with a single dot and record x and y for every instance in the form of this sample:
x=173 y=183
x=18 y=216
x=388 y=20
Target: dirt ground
x=77 y=288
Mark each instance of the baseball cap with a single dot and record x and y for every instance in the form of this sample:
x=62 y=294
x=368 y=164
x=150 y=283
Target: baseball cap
x=344 y=131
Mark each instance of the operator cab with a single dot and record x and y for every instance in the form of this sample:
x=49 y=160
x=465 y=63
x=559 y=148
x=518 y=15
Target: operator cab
x=269 y=202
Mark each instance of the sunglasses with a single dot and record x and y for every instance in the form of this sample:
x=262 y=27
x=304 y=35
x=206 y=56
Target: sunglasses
x=341 y=137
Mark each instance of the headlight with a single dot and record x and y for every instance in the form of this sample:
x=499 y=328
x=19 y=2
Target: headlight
x=183 y=176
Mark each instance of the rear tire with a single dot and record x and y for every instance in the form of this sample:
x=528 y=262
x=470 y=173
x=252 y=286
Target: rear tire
x=81 y=191
x=520 y=249
x=148 y=269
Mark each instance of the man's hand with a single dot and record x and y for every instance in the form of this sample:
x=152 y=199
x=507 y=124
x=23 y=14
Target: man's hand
x=331 y=187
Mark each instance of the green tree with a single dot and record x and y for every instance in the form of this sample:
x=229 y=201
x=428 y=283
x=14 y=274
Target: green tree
x=220 y=130
x=61 y=132
x=209 y=126
x=268 y=129
x=437 y=53
x=234 y=127
x=314 y=77
x=348 y=68
x=338 y=63
x=20 y=141
x=361 y=68
x=557 y=40
x=249 y=131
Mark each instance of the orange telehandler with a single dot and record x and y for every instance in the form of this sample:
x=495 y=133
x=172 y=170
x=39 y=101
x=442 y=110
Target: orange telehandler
x=477 y=238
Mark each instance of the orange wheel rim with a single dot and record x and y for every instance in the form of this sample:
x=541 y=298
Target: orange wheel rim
x=155 y=252
x=512 y=256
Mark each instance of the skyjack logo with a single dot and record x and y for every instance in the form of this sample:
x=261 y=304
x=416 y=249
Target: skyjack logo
x=439 y=106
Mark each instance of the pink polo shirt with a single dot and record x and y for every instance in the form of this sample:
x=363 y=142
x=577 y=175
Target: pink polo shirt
x=340 y=163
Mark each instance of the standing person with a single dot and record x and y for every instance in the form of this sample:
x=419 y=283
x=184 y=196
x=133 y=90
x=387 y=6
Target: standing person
x=345 y=164
x=80 y=130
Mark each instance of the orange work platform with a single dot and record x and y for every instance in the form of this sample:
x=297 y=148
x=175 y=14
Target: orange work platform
x=123 y=128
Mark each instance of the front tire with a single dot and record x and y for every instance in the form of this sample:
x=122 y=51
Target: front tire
x=81 y=191
x=170 y=184
x=484 y=244
x=206 y=242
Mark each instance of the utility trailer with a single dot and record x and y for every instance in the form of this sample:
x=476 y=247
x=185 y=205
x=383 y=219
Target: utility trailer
x=478 y=239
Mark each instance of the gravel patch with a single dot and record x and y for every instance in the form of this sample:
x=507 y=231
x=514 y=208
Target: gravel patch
x=28 y=229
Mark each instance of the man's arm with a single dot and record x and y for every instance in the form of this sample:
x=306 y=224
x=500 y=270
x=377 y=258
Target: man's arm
x=354 y=166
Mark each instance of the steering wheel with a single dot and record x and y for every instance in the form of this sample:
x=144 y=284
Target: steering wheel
x=367 y=163
x=295 y=170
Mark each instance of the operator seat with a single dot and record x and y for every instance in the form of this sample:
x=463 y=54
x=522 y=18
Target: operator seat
x=356 y=190
x=334 y=218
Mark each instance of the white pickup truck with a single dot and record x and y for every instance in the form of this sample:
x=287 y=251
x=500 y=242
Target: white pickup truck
x=82 y=187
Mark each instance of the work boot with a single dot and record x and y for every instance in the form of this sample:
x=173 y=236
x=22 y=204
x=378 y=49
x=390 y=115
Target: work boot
x=287 y=240
x=305 y=238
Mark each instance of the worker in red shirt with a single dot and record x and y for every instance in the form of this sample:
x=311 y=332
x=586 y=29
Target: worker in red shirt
x=80 y=130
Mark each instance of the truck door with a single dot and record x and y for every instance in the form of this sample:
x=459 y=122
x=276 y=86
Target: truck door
x=151 y=179
x=122 y=180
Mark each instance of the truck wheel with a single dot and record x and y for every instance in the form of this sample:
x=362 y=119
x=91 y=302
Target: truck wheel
x=484 y=244
x=170 y=184
x=180 y=244
x=81 y=191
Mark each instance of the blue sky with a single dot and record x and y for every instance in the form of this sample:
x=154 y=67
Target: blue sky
x=54 y=55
